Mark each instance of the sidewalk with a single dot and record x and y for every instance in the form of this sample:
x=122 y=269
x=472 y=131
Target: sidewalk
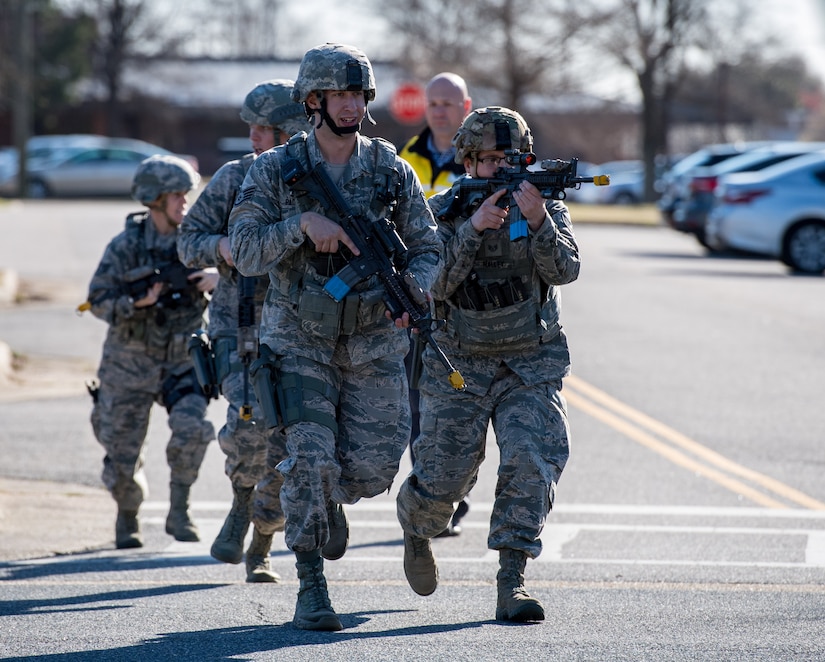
x=33 y=514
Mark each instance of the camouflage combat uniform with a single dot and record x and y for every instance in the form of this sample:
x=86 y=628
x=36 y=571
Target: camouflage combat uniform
x=501 y=302
x=353 y=377
x=144 y=361
x=245 y=443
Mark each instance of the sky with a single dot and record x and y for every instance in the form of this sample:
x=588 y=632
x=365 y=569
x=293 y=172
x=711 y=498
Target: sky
x=800 y=23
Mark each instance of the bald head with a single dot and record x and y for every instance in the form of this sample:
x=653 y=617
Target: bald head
x=448 y=103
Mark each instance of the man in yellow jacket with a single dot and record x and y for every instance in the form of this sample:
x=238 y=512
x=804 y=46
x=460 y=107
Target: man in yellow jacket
x=431 y=153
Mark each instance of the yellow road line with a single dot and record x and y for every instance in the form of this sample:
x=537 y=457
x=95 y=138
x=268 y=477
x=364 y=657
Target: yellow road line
x=598 y=397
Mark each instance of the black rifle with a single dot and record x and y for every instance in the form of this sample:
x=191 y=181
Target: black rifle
x=379 y=244
x=177 y=290
x=247 y=335
x=554 y=176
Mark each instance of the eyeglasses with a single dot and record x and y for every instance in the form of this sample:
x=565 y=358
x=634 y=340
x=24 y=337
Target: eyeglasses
x=492 y=160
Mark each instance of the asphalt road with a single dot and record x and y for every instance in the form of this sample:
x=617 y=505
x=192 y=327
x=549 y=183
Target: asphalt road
x=690 y=522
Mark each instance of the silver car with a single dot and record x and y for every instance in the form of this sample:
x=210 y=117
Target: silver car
x=78 y=165
x=777 y=212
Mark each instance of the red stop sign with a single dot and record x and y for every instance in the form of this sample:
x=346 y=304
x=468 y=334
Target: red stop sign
x=408 y=103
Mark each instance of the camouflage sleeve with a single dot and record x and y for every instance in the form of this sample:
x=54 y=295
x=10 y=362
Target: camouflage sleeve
x=418 y=226
x=554 y=248
x=460 y=243
x=106 y=294
x=264 y=227
x=205 y=224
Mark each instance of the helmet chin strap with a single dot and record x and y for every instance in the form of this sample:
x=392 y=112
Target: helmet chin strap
x=338 y=131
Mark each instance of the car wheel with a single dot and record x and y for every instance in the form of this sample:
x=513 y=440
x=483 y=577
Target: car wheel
x=625 y=198
x=37 y=189
x=804 y=247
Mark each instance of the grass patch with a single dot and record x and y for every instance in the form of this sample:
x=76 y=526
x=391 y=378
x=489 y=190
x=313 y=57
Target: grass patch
x=647 y=214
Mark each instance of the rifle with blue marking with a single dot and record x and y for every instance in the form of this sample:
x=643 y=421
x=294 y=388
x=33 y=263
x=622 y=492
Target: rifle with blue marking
x=380 y=246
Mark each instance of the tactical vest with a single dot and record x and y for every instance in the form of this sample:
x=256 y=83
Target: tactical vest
x=496 y=308
x=164 y=331
x=320 y=314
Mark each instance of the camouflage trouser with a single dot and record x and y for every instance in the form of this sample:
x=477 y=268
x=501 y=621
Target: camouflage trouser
x=532 y=432
x=252 y=452
x=373 y=417
x=120 y=419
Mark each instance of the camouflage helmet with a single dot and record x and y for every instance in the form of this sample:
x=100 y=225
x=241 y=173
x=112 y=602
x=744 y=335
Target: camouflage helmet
x=334 y=67
x=491 y=128
x=270 y=104
x=160 y=174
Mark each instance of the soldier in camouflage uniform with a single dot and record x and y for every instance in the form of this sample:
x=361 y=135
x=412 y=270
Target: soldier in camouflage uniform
x=501 y=302
x=341 y=364
x=203 y=242
x=145 y=353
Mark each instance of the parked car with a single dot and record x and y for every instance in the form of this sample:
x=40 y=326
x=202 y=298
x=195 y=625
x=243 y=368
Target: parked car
x=777 y=212
x=627 y=182
x=673 y=183
x=78 y=165
x=691 y=212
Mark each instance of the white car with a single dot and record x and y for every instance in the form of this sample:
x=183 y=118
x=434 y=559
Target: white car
x=777 y=212
x=78 y=165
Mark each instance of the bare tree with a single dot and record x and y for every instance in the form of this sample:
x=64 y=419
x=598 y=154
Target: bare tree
x=127 y=31
x=652 y=39
x=240 y=29
x=514 y=47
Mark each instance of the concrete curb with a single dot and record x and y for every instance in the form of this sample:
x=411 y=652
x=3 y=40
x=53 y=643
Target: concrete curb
x=9 y=285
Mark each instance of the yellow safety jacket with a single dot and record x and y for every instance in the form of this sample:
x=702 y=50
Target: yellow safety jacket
x=433 y=179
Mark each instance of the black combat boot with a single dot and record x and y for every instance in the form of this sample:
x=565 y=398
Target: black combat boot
x=514 y=602
x=228 y=545
x=338 y=532
x=419 y=565
x=127 y=530
x=258 y=569
x=178 y=523
x=313 y=610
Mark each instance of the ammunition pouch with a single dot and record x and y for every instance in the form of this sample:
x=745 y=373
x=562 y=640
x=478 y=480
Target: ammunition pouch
x=507 y=329
x=281 y=394
x=203 y=363
x=322 y=316
x=497 y=294
x=224 y=345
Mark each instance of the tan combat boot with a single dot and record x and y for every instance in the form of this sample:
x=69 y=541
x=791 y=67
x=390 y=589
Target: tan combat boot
x=419 y=565
x=258 y=569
